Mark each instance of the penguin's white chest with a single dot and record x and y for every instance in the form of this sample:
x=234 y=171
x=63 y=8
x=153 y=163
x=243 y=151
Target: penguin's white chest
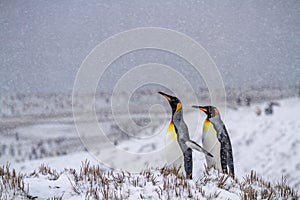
x=211 y=144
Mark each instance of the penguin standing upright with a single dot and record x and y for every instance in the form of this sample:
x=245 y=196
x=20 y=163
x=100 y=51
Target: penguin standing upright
x=178 y=130
x=216 y=140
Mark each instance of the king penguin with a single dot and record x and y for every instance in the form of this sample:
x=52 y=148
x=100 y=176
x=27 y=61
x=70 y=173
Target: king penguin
x=178 y=131
x=215 y=139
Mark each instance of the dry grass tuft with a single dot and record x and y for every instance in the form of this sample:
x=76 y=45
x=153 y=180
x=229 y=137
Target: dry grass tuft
x=255 y=187
x=12 y=184
x=92 y=182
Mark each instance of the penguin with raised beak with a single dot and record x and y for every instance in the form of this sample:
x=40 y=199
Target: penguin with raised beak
x=178 y=131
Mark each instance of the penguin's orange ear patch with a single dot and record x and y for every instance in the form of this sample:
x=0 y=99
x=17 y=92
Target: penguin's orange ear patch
x=216 y=111
x=178 y=107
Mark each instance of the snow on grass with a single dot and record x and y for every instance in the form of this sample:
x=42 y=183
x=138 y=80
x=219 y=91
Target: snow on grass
x=92 y=182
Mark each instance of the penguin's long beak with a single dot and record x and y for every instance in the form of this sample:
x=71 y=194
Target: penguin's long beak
x=204 y=109
x=165 y=95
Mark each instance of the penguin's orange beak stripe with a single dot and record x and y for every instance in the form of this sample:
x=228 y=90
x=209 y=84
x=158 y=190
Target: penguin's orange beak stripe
x=200 y=108
x=165 y=95
x=203 y=109
x=168 y=98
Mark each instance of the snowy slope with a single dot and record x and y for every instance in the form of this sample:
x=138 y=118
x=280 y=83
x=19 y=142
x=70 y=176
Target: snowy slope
x=92 y=182
x=268 y=145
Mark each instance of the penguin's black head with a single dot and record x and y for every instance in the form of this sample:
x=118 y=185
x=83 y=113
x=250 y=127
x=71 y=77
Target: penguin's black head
x=174 y=102
x=210 y=111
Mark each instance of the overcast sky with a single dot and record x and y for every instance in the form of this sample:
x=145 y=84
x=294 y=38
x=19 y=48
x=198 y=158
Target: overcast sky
x=43 y=43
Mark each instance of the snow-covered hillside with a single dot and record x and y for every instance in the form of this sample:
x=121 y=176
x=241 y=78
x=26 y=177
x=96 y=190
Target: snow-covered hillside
x=266 y=144
x=92 y=182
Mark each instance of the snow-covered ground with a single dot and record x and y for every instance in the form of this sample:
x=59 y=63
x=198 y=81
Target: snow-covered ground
x=267 y=144
x=270 y=144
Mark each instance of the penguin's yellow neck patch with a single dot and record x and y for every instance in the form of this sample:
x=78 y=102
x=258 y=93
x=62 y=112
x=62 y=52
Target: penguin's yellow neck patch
x=208 y=126
x=171 y=131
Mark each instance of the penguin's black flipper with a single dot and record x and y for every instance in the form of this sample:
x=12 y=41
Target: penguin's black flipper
x=188 y=163
x=193 y=145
